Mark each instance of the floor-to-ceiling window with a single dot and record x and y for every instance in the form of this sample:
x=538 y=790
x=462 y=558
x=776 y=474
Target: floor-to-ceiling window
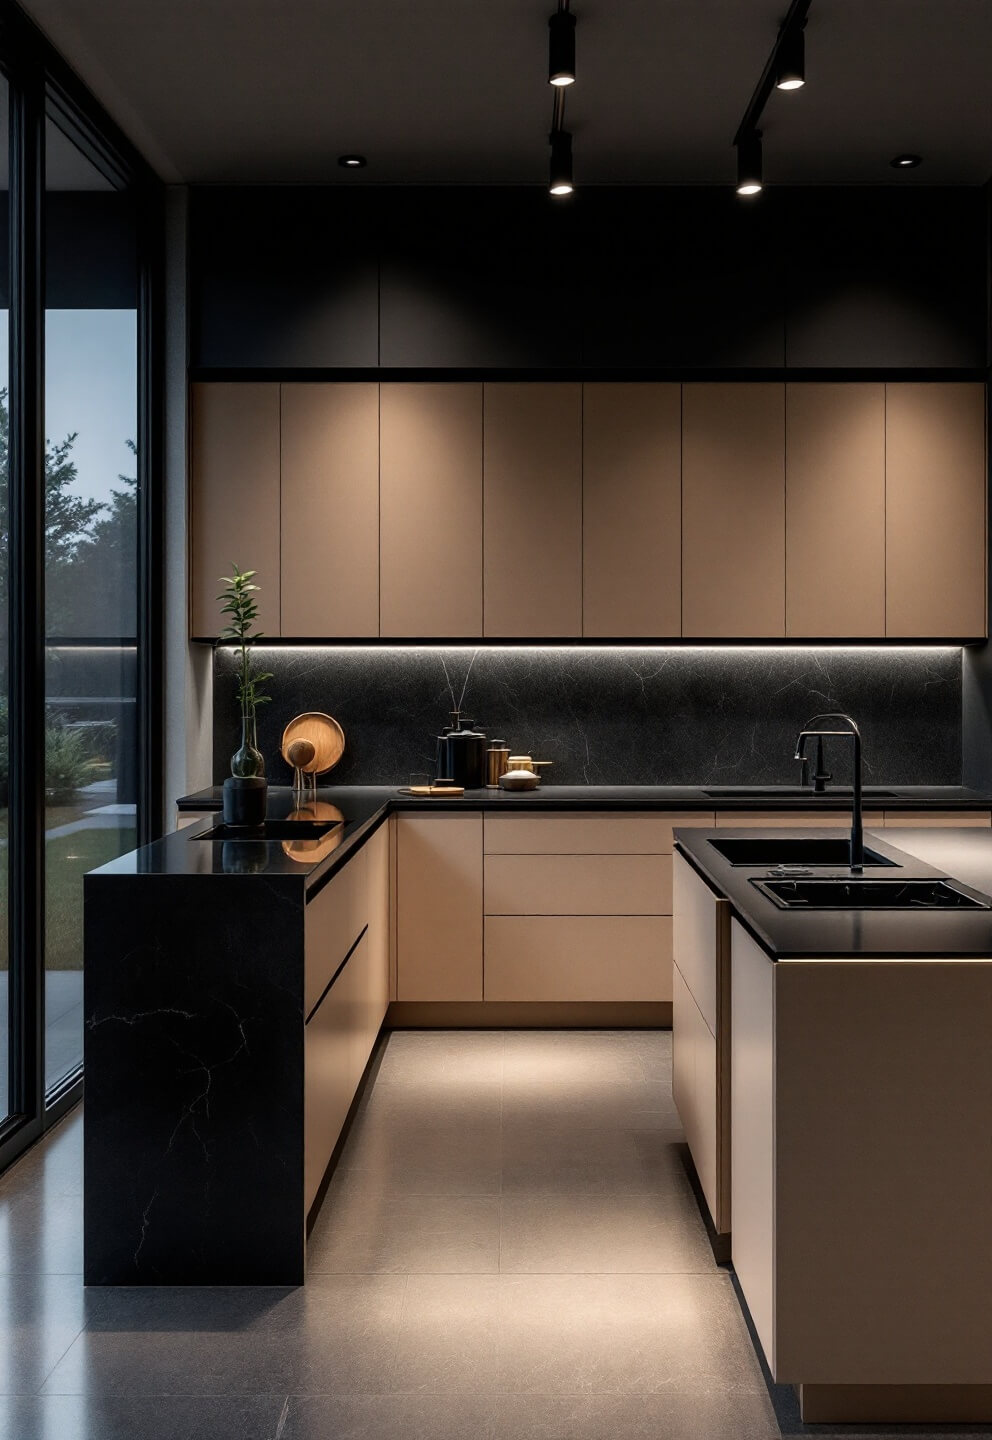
x=79 y=653
x=6 y=997
x=91 y=563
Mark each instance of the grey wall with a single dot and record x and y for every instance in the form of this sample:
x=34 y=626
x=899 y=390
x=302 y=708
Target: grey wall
x=638 y=715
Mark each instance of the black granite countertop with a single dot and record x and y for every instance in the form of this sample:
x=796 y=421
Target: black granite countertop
x=640 y=797
x=362 y=808
x=964 y=855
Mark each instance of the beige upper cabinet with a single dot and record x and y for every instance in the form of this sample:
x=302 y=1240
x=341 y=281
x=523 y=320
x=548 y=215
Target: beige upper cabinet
x=234 y=503
x=632 y=511
x=431 y=499
x=835 y=510
x=532 y=487
x=935 y=477
x=330 y=510
x=733 y=510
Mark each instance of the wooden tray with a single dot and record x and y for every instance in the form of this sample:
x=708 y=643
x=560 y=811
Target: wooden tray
x=324 y=734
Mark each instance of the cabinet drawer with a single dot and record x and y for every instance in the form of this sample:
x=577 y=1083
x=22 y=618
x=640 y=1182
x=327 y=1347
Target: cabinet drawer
x=587 y=834
x=587 y=957
x=334 y=920
x=797 y=819
x=578 y=885
x=976 y=819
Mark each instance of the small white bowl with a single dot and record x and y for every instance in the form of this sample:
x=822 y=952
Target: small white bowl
x=519 y=780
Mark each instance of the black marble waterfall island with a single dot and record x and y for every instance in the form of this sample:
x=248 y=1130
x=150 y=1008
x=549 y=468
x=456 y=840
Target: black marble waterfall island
x=199 y=959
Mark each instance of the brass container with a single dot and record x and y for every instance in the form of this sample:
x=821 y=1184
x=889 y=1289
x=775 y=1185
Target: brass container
x=497 y=764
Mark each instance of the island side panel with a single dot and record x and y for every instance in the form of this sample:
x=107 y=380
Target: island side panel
x=193 y=1146
x=883 y=1172
x=752 y=1131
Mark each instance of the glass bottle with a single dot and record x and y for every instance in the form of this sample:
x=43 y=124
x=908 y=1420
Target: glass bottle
x=247 y=762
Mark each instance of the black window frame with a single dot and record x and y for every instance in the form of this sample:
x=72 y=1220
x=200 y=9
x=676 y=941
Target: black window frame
x=42 y=85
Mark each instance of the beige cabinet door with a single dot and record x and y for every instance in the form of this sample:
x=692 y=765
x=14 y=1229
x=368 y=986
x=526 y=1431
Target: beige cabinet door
x=430 y=543
x=835 y=510
x=335 y=918
x=532 y=501
x=375 y=993
x=733 y=510
x=632 y=510
x=439 y=907
x=234 y=498
x=935 y=483
x=694 y=1088
x=329 y=1077
x=330 y=510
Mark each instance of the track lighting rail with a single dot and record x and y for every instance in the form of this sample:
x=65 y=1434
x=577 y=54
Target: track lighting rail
x=792 y=25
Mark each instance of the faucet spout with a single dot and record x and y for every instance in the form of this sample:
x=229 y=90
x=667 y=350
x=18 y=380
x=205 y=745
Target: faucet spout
x=813 y=729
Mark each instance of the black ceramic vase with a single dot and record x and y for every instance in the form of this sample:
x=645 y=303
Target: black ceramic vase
x=244 y=800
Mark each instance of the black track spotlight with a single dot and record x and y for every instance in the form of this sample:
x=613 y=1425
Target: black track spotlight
x=790 y=63
x=749 y=164
x=561 y=48
x=561 y=163
x=352 y=162
x=906 y=162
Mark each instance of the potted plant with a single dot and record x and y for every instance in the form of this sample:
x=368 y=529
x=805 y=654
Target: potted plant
x=245 y=789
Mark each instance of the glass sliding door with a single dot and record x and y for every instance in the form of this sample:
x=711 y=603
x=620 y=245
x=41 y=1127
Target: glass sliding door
x=80 y=447
x=6 y=993
x=91 y=564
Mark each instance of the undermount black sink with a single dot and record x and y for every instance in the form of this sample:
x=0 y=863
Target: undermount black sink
x=270 y=830
x=856 y=894
x=771 y=851
x=794 y=792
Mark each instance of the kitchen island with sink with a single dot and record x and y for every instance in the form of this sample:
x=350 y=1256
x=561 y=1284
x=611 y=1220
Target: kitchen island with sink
x=235 y=988
x=833 y=1070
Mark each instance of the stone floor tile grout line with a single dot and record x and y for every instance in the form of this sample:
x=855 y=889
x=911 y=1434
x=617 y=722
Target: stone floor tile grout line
x=49 y=1373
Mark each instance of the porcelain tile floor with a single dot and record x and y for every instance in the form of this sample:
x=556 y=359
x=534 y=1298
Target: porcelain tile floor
x=510 y=1249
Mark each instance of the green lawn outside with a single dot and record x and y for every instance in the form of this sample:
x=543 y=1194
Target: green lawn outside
x=67 y=860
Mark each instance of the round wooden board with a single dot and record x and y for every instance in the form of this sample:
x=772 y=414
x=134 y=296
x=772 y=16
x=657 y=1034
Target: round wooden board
x=324 y=734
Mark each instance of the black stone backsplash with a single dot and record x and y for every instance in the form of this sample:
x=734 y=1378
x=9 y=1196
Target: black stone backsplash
x=617 y=715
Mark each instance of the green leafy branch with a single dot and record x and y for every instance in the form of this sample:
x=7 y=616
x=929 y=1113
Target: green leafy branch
x=240 y=604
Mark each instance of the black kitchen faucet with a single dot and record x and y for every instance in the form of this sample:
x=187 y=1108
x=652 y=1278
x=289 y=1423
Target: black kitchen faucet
x=809 y=731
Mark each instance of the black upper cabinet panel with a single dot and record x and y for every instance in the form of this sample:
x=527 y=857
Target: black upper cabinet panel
x=479 y=278
x=680 y=279
x=886 y=278
x=284 y=279
x=611 y=280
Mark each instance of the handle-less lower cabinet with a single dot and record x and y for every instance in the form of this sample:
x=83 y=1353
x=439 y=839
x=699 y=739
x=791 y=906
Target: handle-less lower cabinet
x=347 y=995
x=701 y=1033
x=439 y=907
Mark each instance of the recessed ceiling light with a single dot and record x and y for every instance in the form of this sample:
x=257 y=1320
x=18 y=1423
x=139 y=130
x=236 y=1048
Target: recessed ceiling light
x=352 y=162
x=906 y=162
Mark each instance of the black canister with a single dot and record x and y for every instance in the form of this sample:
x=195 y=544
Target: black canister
x=465 y=751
